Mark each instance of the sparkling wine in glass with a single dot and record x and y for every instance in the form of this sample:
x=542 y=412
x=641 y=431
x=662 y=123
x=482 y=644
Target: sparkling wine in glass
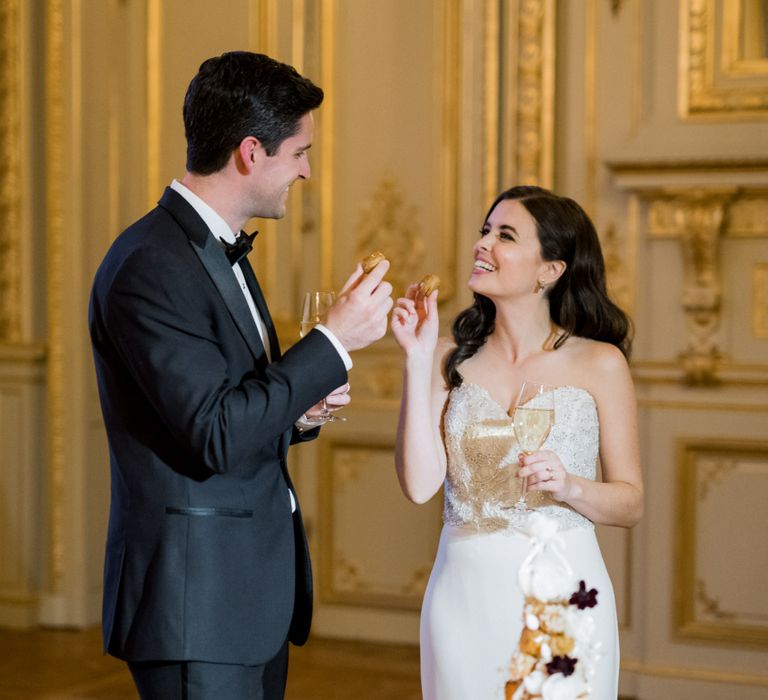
x=314 y=311
x=533 y=418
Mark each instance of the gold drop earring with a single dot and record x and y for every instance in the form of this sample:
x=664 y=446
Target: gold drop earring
x=539 y=286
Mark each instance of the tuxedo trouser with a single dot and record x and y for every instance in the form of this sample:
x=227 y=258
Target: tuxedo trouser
x=196 y=680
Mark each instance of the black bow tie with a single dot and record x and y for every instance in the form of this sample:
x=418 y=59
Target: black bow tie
x=243 y=245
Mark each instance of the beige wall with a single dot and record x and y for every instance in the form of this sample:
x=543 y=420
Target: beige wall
x=646 y=112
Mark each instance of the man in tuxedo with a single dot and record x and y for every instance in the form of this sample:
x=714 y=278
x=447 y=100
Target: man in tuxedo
x=207 y=573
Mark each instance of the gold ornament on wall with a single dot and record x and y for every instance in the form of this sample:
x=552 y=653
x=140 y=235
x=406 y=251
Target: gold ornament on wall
x=388 y=224
x=619 y=278
x=697 y=217
x=701 y=223
x=10 y=175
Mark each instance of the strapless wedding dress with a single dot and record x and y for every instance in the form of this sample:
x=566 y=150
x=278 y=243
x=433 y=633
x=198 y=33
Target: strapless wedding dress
x=472 y=612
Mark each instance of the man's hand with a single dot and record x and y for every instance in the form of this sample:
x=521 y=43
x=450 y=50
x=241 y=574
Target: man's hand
x=359 y=315
x=333 y=402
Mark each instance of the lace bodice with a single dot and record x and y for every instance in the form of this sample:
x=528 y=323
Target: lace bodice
x=480 y=445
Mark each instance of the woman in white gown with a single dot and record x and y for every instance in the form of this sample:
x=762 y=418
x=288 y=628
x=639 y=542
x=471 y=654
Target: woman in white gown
x=541 y=313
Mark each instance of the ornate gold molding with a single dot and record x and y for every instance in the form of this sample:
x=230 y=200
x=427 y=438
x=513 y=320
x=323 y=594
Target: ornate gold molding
x=620 y=279
x=154 y=98
x=748 y=216
x=688 y=673
x=696 y=218
x=55 y=113
x=10 y=172
x=700 y=222
x=527 y=126
x=705 y=89
x=760 y=300
x=701 y=614
x=327 y=148
x=735 y=55
x=747 y=213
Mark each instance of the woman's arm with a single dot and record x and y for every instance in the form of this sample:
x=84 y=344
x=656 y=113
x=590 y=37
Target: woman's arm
x=419 y=451
x=618 y=498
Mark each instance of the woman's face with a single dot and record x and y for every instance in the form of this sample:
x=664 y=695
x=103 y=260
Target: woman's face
x=508 y=255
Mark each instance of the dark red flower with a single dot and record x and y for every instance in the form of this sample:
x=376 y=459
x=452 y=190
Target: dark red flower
x=561 y=664
x=584 y=598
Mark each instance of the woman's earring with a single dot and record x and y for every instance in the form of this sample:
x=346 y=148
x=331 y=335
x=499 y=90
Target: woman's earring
x=539 y=286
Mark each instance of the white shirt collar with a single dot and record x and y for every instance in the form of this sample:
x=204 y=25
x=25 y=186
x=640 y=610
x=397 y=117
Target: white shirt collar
x=219 y=228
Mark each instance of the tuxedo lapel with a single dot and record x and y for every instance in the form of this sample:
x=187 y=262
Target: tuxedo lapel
x=220 y=271
x=261 y=305
x=215 y=262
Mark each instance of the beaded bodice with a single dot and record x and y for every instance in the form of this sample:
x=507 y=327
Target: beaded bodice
x=481 y=447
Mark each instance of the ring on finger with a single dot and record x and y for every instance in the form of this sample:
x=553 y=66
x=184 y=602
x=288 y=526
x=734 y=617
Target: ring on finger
x=549 y=473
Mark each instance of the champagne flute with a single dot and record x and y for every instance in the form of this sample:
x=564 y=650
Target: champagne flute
x=314 y=311
x=533 y=418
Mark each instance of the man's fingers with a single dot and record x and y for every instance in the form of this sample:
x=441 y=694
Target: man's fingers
x=353 y=279
x=343 y=389
x=338 y=400
x=371 y=281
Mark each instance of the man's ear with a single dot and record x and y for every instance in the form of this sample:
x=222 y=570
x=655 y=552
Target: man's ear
x=249 y=151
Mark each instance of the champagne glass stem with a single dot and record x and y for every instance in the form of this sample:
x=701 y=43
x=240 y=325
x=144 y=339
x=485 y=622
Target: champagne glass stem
x=522 y=506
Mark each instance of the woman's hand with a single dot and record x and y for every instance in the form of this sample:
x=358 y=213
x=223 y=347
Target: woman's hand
x=415 y=323
x=546 y=472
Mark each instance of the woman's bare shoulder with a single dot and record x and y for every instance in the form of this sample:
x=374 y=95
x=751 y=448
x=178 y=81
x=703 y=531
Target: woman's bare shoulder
x=597 y=366
x=596 y=354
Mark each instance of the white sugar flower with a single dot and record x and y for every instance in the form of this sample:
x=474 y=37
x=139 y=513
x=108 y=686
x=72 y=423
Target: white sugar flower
x=532 y=622
x=560 y=687
x=533 y=682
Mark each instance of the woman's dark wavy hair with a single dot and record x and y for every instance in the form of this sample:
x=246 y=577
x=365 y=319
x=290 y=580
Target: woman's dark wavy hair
x=578 y=301
x=241 y=94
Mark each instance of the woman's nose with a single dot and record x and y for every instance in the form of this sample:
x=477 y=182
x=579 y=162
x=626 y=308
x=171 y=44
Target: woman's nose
x=484 y=243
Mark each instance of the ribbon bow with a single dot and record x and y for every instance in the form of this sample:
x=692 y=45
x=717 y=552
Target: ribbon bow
x=243 y=245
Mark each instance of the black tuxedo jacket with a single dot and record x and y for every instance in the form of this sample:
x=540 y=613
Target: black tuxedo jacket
x=204 y=559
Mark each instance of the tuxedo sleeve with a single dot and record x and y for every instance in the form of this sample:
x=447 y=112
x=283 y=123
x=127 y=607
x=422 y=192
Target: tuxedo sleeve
x=167 y=324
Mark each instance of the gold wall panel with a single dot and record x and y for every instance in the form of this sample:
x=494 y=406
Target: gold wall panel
x=22 y=375
x=389 y=223
x=10 y=171
x=376 y=548
x=714 y=81
x=721 y=535
x=760 y=300
x=410 y=126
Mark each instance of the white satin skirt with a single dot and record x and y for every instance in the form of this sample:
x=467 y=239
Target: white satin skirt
x=471 y=617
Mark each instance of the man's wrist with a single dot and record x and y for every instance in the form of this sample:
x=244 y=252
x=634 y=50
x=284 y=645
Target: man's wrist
x=346 y=359
x=308 y=423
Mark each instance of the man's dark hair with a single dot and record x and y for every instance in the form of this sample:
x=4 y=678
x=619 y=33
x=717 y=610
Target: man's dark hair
x=241 y=94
